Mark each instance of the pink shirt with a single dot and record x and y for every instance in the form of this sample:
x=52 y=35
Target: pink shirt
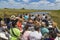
x=26 y=35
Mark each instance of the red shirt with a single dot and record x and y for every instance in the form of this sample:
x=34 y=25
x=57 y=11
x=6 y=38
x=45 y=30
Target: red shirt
x=19 y=24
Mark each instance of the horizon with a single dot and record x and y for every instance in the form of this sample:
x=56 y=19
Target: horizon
x=25 y=9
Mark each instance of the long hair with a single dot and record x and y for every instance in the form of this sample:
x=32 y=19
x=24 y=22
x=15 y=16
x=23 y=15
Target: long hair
x=25 y=28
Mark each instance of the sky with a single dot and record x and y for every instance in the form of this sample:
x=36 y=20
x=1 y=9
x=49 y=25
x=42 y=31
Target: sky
x=31 y=4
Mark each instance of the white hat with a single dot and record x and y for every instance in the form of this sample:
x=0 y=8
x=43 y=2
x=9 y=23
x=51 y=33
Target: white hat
x=13 y=17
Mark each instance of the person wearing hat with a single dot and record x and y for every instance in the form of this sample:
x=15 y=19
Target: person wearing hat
x=13 y=20
x=13 y=17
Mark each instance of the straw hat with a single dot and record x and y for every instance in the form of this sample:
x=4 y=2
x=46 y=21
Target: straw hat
x=13 y=17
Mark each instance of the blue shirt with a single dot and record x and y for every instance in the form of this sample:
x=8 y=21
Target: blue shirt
x=44 y=30
x=26 y=17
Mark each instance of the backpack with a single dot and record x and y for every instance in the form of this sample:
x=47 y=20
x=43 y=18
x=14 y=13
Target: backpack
x=14 y=34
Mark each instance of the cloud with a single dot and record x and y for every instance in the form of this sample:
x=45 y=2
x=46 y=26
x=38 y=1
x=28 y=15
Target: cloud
x=26 y=1
x=10 y=4
x=57 y=0
x=42 y=4
x=57 y=4
x=18 y=0
x=11 y=1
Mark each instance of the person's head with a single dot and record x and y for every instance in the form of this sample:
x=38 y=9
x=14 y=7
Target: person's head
x=27 y=14
x=32 y=15
x=43 y=14
x=30 y=20
x=13 y=17
x=26 y=27
x=38 y=15
x=3 y=24
x=13 y=24
x=35 y=19
x=46 y=17
x=37 y=23
x=20 y=16
x=37 y=28
x=43 y=24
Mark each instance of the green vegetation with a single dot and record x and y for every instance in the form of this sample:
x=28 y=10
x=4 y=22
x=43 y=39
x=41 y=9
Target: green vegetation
x=55 y=14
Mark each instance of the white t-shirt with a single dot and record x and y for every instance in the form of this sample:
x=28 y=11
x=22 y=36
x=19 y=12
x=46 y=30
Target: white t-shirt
x=43 y=17
x=57 y=38
x=35 y=35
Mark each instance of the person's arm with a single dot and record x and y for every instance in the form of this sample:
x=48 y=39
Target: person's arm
x=58 y=34
x=57 y=29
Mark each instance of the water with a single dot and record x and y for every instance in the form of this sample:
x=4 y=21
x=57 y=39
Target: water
x=33 y=13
